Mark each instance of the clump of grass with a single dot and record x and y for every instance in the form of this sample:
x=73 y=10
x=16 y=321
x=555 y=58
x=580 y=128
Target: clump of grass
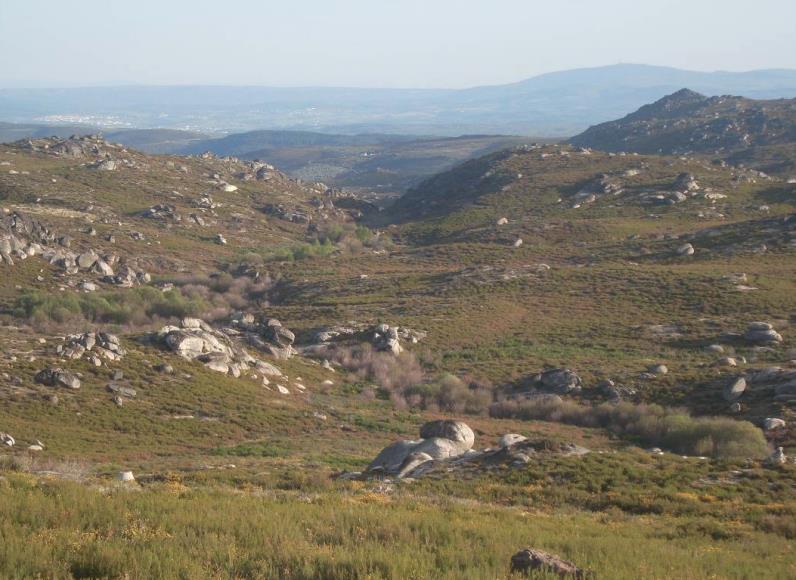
x=669 y=428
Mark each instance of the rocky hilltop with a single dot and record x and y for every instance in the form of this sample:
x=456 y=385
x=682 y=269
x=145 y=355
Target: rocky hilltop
x=688 y=122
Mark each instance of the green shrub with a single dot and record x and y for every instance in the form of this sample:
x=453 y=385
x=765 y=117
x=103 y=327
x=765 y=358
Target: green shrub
x=302 y=252
x=138 y=305
x=673 y=429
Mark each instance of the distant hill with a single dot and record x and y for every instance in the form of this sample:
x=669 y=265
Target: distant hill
x=156 y=140
x=383 y=165
x=557 y=104
x=148 y=140
x=10 y=132
x=737 y=128
x=264 y=140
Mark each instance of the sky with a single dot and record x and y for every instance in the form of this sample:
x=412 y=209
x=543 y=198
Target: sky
x=377 y=43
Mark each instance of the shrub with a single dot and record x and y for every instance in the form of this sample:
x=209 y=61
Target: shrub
x=302 y=252
x=673 y=429
x=135 y=306
x=403 y=382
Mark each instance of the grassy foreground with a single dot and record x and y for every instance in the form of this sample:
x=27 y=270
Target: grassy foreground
x=57 y=529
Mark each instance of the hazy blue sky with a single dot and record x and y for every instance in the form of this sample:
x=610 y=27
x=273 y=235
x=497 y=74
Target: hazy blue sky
x=378 y=43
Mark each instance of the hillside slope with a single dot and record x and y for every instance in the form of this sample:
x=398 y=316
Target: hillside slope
x=613 y=335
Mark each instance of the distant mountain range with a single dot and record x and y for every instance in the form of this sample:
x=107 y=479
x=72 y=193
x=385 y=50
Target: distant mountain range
x=555 y=104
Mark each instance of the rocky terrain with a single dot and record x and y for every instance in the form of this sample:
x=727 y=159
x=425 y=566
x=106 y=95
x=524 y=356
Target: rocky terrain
x=758 y=133
x=548 y=352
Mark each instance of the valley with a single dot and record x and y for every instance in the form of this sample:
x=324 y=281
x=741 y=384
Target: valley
x=211 y=367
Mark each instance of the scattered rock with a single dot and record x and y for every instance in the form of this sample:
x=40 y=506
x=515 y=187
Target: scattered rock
x=771 y=424
x=126 y=477
x=560 y=381
x=734 y=389
x=762 y=333
x=777 y=458
x=510 y=439
x=57 y=377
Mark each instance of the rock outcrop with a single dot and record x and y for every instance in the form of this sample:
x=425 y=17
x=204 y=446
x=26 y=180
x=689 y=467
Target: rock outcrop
x=447 y=445
x=267 y=335
x=194 y=339
x=439 y=440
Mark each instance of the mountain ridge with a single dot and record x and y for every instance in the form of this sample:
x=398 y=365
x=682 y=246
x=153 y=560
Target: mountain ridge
x=560 y=103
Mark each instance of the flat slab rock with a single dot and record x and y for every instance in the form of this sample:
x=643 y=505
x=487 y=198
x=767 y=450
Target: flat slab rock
x=531 y=560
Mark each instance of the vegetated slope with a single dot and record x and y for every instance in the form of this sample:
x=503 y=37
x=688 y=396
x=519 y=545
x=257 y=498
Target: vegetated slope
x=686 y=121
x=599 y=286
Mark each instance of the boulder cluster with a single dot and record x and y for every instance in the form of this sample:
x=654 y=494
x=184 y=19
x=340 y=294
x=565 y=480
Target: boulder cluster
x=22 y=237
x=92 y=346
x=266 y=335
x=601 y=186
x=162 y=211
x=382 y=337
